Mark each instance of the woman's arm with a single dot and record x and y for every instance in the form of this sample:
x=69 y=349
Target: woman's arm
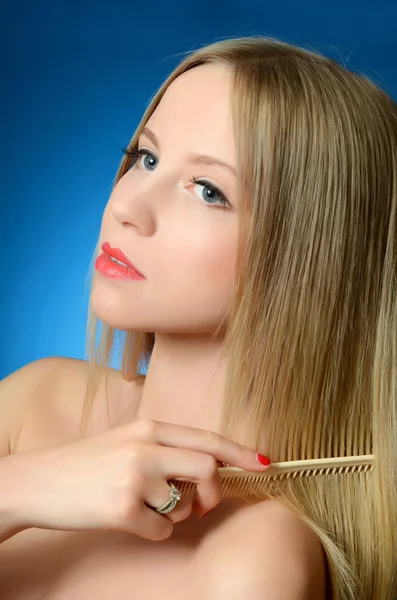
x=17 y=393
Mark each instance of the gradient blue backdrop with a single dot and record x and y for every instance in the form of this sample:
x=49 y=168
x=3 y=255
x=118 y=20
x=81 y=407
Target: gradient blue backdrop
x=76 y=78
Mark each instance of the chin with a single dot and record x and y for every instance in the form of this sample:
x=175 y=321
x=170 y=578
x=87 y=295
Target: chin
x=110 y=313
x=114 y=317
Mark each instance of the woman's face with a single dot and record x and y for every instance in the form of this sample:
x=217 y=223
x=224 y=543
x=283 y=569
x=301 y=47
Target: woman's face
x=181 y=235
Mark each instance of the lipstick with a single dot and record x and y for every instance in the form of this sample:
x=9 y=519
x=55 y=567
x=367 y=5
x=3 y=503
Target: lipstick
x=108 y=267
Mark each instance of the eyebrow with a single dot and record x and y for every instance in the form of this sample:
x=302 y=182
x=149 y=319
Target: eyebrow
x=203 y=159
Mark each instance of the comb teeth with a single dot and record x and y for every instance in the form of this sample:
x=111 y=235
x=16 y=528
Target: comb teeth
x=258 y=485
x=311 y=465
x=235 y=481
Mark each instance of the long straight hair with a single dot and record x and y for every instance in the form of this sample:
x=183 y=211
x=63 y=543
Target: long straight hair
x=311 y=337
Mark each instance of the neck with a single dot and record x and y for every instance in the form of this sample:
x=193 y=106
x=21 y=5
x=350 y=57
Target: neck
x=185 y=382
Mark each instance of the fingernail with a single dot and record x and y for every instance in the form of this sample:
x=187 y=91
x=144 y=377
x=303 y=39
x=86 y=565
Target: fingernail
x=264 y=460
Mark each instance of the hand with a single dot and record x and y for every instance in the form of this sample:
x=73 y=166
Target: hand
x=103 y=482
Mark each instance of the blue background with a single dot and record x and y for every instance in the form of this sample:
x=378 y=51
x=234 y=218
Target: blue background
x=76 y=79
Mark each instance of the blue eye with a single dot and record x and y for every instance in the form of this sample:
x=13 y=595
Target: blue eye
x=134 y=154
x=214 y=192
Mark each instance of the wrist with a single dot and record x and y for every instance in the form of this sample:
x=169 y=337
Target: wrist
x=11 y=495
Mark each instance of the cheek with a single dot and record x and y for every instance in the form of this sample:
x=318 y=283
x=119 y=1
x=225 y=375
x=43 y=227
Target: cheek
x=107 y=217
x=202 y=266
x=218 y=263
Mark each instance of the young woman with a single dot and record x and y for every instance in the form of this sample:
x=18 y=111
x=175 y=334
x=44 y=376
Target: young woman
x=255 y=217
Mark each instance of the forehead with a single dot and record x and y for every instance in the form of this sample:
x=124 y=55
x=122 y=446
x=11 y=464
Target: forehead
x=196 y=111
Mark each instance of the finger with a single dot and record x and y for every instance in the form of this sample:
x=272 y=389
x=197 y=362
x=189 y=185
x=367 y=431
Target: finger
x=153 y=526
x=198 y=440
x=165 y=463
x=143 y=521
x=182 y=510
x=187 y=465
x=162 y=464
x=208 y=495
x=158 y=493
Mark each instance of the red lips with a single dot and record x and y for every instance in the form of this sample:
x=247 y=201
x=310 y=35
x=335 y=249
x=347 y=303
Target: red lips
x=117 y=253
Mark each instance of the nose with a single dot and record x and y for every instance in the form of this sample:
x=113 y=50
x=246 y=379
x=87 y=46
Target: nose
x=132 y=204
x=129 y=213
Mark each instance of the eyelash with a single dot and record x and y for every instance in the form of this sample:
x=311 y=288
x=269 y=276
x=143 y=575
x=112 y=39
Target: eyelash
x=135 y=153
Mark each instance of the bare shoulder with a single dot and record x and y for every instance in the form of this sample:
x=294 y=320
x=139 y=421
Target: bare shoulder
x=16 y=393
x=49 y=395
x=265 y=551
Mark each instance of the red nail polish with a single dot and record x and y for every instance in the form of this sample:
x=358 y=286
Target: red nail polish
x=264 y=460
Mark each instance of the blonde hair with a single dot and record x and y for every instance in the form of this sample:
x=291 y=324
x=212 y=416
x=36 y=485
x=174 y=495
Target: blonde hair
x=311 y=338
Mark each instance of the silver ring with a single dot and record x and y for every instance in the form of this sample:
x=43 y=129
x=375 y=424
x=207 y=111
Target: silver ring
x=175 y=496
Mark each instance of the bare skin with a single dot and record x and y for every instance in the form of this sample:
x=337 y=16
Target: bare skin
x=39 y=564
x=181 y=239
x=61 y=564
x=186 y=249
